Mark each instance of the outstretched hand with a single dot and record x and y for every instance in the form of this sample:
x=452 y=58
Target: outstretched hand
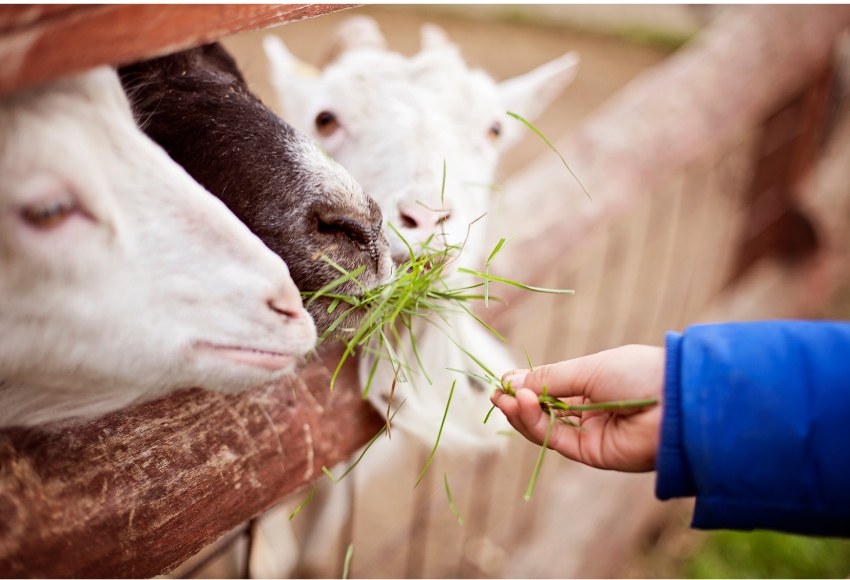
x=622 y=439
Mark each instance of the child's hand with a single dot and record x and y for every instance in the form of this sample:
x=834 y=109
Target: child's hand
x=624 y=439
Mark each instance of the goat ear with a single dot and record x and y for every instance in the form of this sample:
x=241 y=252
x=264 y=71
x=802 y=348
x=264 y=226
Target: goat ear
x=528 y=95
x=105 y=81
x=291 y=77
x=282 y=61
x=433 y=36
x=354 y=32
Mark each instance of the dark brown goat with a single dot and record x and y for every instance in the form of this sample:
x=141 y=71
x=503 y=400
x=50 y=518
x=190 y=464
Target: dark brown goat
x=197 y=106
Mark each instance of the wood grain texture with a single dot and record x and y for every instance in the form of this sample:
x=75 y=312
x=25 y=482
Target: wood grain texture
x=41 y=43
x=135 y=493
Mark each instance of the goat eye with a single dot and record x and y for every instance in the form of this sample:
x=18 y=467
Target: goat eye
x=326 y=123
x=495 y=131
x=48 y=216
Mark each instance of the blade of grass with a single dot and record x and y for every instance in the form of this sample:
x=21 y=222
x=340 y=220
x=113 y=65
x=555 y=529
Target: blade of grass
x=396 y=362
x=413 y=342
x=390 y=403
x=394 y=329
x=528 y=358
x=451 y=501
x=443 y=187
x=353 y=465
x=493 y=254
x=364 y=329
x=371 y=377
x=404 y=240
x=549 y=143
x=303 y=503
x=488 y=414
x=484 y=324
x=629 y=404
x=543 y=448
x=342 y=279
x=439 y=434
x=348 y=553
x=483 y=379
x=478 y=362
x=614 y=405
x=342 y=270
x=516 y=284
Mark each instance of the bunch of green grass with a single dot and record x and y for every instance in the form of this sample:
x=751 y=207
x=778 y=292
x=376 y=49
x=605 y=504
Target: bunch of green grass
x=419 y=288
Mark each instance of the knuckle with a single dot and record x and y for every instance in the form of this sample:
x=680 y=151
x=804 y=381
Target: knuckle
x=539 y=377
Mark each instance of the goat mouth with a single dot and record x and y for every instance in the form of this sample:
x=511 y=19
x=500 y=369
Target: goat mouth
x=264 y=359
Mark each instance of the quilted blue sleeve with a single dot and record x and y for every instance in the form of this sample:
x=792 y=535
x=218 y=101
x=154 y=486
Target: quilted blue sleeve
x=756 y=425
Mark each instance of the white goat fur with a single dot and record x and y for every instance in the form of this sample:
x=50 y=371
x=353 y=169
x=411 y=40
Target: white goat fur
x=148 y=284
x=399 y=119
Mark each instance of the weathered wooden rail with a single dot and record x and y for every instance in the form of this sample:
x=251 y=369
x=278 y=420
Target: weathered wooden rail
x=39 y=43
x=138 y=491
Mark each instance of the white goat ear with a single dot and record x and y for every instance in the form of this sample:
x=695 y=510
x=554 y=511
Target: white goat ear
x=103 y=81
x=282 y=61
x=433 y=36
x=528 y=95
x=354 y=32
x=291 y=77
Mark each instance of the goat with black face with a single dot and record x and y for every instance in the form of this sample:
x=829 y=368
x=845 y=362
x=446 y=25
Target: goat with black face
x=300 y=202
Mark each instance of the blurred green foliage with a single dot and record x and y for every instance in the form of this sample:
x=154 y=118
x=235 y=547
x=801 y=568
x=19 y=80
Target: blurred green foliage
x=761 y=554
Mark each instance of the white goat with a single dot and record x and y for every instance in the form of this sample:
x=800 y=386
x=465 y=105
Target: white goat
x=122 y=279
x=392 y=122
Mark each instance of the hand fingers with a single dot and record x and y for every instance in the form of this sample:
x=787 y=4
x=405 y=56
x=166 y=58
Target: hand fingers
x=510 y=409
x=563 y=379
x=629 y=372
x=514 y=379
x=564 y=438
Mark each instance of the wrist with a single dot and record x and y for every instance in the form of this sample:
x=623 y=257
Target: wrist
x=674 y=478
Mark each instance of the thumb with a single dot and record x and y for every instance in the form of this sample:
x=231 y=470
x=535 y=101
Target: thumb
x=564 y=379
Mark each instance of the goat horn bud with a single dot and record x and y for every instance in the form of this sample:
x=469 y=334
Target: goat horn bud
x=355 y=32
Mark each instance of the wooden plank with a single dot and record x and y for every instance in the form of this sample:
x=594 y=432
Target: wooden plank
x=135 y=493
x=42 y=43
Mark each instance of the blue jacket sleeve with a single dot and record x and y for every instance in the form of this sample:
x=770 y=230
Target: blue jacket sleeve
x=756 y=425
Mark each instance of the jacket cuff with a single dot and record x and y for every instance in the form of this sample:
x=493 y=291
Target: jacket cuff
x=674 y=477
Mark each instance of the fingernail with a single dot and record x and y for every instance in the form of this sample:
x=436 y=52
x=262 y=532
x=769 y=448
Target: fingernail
x=516 y=380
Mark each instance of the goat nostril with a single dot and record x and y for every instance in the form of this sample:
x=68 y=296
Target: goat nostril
x=287 y=308
x=366 y=237
x=408 y=222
